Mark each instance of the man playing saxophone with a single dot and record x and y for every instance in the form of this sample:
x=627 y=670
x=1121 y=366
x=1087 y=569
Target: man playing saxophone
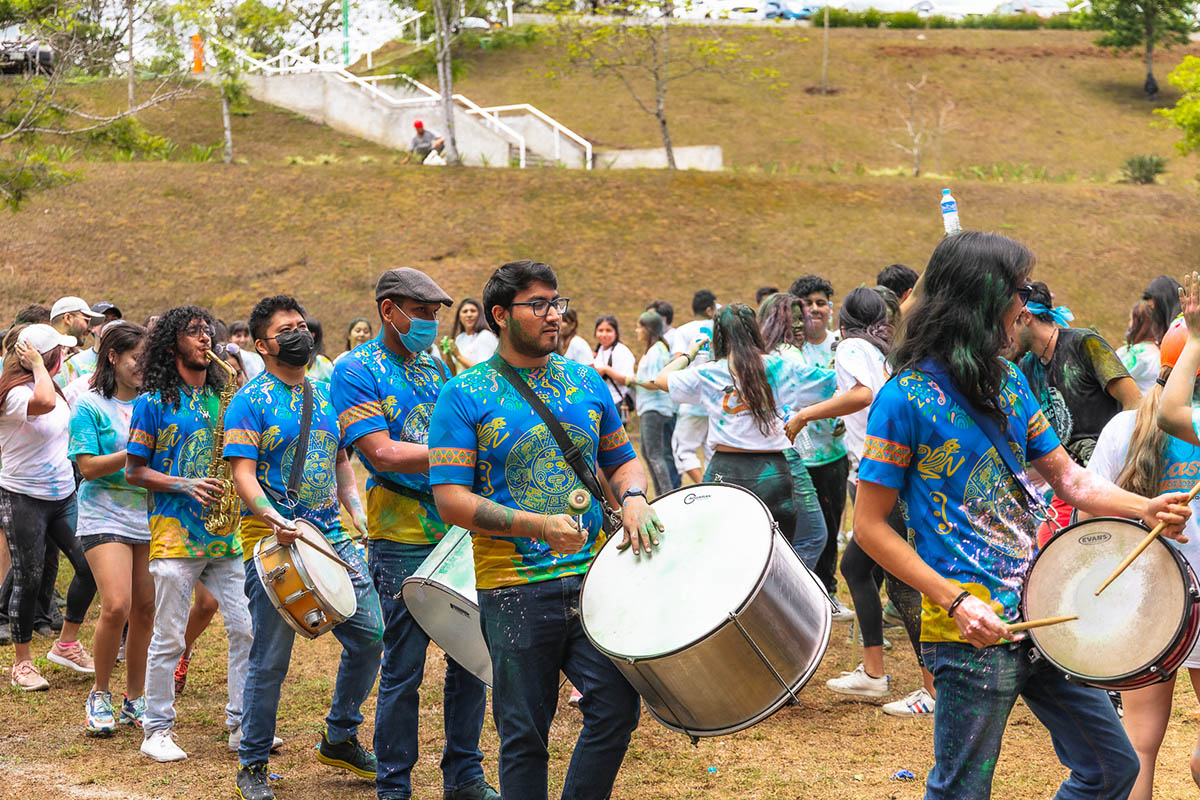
x=265 y=432
x=170 y=453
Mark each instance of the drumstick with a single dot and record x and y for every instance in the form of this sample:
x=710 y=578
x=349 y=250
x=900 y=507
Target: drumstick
x=1039 y=623
x=327 y=554
x=1150 y=537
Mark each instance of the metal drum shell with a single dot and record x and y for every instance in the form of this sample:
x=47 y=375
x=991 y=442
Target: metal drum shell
x=750 y=664
x=1165 y=663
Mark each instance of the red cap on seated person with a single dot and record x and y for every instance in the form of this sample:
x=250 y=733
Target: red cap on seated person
x=418 y=125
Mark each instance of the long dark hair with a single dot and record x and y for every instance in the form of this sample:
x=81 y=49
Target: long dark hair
x=776 y=317
x=652 y=324
x=158 y=358
x=607 y=319
x=1143 y=324
x=865 y=315
x=15 y=373
x=118 y=339
x=480 y=323
x=314 y=327
x=354 y=322
x=736 y=337
x=1163 y=291
x=958 y=320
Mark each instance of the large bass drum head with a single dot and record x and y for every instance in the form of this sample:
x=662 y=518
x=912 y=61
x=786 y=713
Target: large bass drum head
x=1133 y=622
x=711 y=558
x=329 y=578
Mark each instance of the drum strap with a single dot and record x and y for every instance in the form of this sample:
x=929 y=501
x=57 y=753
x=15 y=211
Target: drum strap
x=299 y=456
x=571 y=453
x=999 y=439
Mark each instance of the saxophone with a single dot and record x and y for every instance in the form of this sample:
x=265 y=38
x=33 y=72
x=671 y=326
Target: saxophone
x=222 y=517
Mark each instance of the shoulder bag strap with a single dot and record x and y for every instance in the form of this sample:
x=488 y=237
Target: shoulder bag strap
x=292 y=496
x=570 y=452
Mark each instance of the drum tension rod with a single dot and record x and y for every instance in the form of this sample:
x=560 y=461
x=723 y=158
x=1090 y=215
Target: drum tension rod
x=277 y=573
x=661 y=697
x=762 y=657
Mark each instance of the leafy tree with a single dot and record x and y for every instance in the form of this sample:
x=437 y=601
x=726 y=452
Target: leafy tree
x=1128 y=24
x=1186 y=113
x=642 y=49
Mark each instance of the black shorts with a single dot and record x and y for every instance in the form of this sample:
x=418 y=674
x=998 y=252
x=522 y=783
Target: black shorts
x=89 y=541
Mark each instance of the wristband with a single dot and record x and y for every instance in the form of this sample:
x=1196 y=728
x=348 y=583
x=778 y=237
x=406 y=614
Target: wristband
x=957 y=601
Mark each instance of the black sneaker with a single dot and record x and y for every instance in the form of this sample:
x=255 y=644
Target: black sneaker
x=59 y=600
x=476 y=791
x=348 y=755
x=56 y=618
x=5 y=633
x=252 y=783
x=43 y=629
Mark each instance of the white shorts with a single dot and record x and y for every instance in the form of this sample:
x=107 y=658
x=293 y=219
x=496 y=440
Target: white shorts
x=691 y=435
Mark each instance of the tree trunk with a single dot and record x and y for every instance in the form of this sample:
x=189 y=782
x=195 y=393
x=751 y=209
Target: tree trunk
x=825 y=56
x=132 y=73
x=660 y=95
x=227 y=153
x=442 y=18
x=1151 y=85
x=916 y=160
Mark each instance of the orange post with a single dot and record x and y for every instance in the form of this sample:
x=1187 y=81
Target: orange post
x=197 y=53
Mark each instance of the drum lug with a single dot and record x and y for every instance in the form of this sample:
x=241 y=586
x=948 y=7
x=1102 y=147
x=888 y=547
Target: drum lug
x=277 y=573
x=314 y=618
x=1194 y=591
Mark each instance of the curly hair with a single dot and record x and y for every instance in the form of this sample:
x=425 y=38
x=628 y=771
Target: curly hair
x=158 y=358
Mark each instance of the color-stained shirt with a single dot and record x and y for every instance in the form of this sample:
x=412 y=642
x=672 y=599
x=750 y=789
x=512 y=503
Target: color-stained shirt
x=80 y=365
x=685 y=334
x=177 y=440
x=108 y=504
x=262 y=423
x=1143 y=362
x=647 y=370
x=485 y=436
x=824 y=435
x=967 y=516
x=375 y=390
x=35 y=459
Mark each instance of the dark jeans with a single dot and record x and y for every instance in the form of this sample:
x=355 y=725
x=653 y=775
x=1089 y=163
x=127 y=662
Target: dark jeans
x=45 y=592
x=830 y=482
x=669 y=432
x=656 y=448
x=976 y=690
x=532 y=632
x=31 y=524
x=782 y=483
x=464 y=697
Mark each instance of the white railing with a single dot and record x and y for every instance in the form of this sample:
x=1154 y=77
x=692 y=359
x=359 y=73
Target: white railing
x=559 y=129
x=291 y=62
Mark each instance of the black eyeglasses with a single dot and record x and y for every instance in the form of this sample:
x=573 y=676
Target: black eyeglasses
x=197 y=330
x=1023 y=293
x=542 y=307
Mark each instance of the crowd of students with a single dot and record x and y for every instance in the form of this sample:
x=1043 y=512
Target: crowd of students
x=773 y=395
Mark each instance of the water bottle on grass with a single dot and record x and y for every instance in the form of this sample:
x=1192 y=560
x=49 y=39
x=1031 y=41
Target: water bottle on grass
x=950 y=213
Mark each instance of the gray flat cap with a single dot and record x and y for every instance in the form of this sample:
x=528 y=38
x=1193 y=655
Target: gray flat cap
x=409 y=282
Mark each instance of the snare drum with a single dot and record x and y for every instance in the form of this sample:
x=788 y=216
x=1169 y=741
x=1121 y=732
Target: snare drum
x=719 y=626
x=441 y=597
x=311 y=592
x=1138 y=631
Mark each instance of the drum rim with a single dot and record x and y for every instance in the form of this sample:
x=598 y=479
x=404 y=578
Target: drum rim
x=273 y=597
x=325 y=604
x=1189 y=597
x=774 y=529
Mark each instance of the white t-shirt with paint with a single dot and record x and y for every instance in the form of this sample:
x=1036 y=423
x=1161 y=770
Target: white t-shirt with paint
x=477 y=346
x=685 y=334
x=620 y=358
x=579 y=350
x=34 y=449
x=858 y=361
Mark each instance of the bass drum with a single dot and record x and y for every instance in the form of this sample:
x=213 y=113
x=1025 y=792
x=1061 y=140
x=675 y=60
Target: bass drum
x=441 y=597
x=1138 y=631
x=721 y=625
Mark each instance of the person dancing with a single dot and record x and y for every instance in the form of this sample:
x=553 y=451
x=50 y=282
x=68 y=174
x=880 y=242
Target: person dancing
x=940 y=438
x=113 y=529
x=170 y=446
x=263 y=429
x=384 y=394
x=496 y=470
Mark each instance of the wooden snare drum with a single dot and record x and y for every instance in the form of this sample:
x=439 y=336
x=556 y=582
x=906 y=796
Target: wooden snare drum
x=311 y=592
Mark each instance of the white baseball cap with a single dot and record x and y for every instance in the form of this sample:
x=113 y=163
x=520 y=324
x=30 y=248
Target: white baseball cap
x=65 y=305
x=44 y=338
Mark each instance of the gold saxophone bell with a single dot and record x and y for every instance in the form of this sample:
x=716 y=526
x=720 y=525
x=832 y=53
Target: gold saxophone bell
x=222 y=517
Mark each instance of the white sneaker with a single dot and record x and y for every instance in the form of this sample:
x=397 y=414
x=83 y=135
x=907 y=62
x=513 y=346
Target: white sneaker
x=161 y=746
x=235 y=740
x=840 y=612
x=860 y=684
x=918 y=703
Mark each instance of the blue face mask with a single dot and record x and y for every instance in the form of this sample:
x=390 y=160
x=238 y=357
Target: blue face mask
x=421 y=333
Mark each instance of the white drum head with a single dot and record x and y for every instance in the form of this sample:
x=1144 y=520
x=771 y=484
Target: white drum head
x=330 y=579
x=1130 y=625
x=711 y=558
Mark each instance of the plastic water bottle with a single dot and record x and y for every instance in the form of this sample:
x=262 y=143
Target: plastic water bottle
x=804 y=445
x=950 y=213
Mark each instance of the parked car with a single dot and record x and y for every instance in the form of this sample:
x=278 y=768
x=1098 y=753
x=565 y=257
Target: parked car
x=735 y=9
x=1042 y=8
x=20 y=53
x=790 y=9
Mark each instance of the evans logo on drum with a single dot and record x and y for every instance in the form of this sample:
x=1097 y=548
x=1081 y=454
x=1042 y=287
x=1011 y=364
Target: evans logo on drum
x=1095 y=538
x=688 y=499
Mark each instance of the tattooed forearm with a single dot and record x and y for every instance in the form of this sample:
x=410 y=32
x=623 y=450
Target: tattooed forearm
x=492 y=517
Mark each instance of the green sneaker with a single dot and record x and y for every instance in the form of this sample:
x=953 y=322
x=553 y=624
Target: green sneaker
x=480 y=790
x=347 y=755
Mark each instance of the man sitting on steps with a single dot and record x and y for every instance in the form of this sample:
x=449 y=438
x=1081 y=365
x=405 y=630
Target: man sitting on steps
x=425 y=142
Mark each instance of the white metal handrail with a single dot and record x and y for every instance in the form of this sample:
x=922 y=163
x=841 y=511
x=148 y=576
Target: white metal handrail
x=559 y=128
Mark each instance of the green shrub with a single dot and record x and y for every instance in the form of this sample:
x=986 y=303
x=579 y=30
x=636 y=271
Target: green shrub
x=1143 y=169
x=938 y=21
x=130 y=139
x=904 y=20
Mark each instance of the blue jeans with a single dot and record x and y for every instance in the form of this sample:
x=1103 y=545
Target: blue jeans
x=976 y=690
x=464 y=698
x=360 y=636
x=533 y=631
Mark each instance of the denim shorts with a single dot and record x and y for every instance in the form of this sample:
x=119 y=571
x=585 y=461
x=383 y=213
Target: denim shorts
x=89 y=541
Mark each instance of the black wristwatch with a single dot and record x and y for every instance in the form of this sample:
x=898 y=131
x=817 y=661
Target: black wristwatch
x=634 y=493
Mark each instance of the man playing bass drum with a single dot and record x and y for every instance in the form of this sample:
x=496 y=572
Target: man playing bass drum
x=263 y=430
